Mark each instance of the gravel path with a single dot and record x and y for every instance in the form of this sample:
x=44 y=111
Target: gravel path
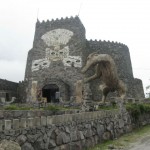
x=142 y=144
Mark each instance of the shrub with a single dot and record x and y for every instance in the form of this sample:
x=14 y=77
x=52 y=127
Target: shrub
x=11 y=107
x=14 y=107
x=52 y=108
x=137 y=109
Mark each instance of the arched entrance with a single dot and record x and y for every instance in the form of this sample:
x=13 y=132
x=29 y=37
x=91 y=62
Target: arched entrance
x=51 y=92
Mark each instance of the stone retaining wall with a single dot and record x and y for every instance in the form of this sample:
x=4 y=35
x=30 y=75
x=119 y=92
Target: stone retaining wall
x=68 y=131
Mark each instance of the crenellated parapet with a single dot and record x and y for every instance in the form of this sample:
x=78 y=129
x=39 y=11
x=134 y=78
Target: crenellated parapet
x=58 y=21
x=101 y=44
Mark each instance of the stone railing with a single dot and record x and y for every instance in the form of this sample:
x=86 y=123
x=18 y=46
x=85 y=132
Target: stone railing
x=67 y=131
x=13 y=124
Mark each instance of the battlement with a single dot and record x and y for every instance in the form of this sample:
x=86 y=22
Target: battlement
x=109 y=43
x=72 y=24
x=61 y=20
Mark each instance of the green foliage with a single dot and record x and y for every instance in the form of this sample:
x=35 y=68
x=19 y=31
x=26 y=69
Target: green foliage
x=147 y=99
x=53 y=108
x=108 y=107
x=14 y=107
x=11 y=107
x=137 y=109
x=134 y=110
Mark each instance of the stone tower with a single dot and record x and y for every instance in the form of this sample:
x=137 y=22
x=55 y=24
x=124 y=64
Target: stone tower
x=54 y=62
x=59 y=51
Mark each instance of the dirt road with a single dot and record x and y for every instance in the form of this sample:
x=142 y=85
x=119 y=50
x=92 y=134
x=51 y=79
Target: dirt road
x=142 y=144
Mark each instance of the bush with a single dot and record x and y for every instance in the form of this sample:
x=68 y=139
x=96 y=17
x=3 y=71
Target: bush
x=14 y=107
x=52 y=108
x=137 y=109
x=11 y=107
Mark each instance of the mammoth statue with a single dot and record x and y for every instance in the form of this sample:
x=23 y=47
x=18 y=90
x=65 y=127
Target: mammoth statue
x=106 y=71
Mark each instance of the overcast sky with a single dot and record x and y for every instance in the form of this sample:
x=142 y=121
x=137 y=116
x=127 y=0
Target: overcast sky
x=124 y=21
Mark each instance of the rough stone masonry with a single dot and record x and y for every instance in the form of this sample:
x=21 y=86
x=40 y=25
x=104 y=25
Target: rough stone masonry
x=60 y=49
x=54 y=63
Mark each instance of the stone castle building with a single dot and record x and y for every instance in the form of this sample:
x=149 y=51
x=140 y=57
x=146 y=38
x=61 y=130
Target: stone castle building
x=60 y=49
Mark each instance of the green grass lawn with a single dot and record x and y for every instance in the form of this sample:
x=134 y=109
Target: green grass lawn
x=125 y=140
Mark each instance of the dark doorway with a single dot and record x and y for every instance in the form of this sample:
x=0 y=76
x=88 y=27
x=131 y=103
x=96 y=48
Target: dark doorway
x=7 y=97
x=51 y=92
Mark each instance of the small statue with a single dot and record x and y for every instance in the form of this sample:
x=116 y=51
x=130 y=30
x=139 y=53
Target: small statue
x=105 y=70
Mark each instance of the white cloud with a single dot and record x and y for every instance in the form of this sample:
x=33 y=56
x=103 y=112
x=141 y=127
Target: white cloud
x=12 y=70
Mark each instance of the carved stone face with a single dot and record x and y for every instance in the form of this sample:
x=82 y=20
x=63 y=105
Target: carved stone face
x=40 y=64
x=57 y=49
x=55 y=55
x=57 y=41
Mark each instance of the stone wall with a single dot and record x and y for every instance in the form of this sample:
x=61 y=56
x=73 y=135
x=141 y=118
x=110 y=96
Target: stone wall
x=8 y=89
x=138 y=87
x=68 y=131
x=59 y=52
x=56 y=54
x=22 y=92
x=121 y=55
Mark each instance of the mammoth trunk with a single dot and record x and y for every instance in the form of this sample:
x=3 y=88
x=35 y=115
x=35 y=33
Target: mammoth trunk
x=87 y=66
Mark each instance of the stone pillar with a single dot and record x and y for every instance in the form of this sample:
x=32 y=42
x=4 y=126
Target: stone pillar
x=37 y=121
x=87 y=93
x=34 y=91
x=23 y=123
x=43 y=121
x=30 y=122
x=121 y=105
x=1 y=125
x=79 y=91
x=87 y=97
x=49 y=120
x=7 y=124
x=16 y=124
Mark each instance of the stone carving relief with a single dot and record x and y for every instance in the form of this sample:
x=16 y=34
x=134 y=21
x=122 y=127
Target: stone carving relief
x=54 y=55
x=40 y=64
x=57 y=37
x=57 y=49
x=74 y=61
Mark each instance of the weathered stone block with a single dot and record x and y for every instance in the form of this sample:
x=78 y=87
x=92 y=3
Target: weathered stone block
x=1 y=125
x=73 y=136
x=59 y=119
x=9 y=145
x=23 y=123
x=27 y=146
x=121 y=123
x=8 y=124
x=52 y=144
x=30 y=122
x=37 y=121
x=16 y=124
x=43 y=121
x=21 y=139
x=100 y=130
x=67 y=118
x=80 y=135
x=106 y=136
x=49 y=120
